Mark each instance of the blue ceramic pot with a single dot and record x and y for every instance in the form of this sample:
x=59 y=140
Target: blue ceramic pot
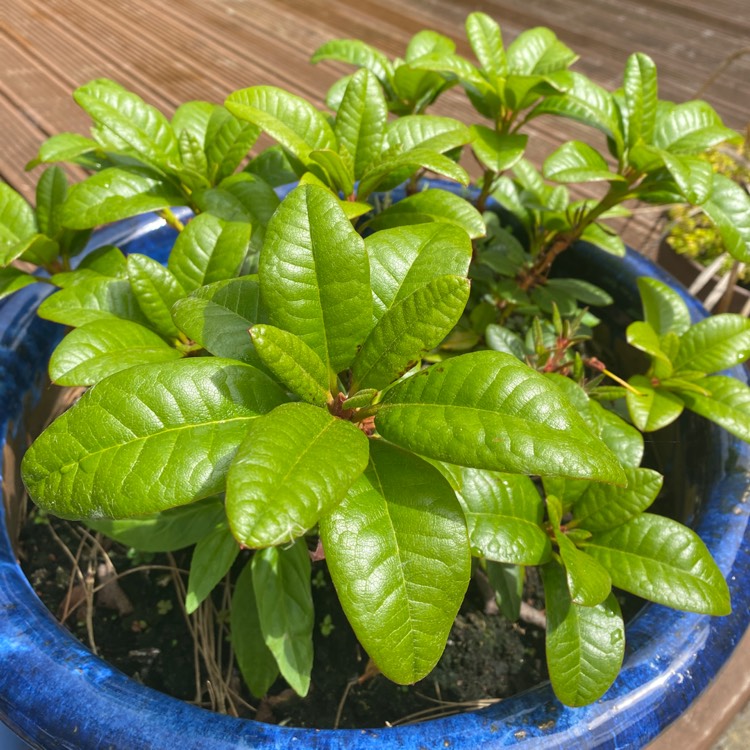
x=56 y=694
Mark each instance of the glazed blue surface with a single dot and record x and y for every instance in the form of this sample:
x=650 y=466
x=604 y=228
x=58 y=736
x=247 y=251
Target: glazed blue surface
x=56 y=694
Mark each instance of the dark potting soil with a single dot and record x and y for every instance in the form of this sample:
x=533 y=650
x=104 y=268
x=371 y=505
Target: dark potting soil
x=487 y=656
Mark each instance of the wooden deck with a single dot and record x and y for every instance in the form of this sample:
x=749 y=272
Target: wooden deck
x=170 y=51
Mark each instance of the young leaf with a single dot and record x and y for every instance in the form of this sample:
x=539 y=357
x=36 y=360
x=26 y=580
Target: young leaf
x=357 y=53
x=212 y=559
x=714 y=344
x=538 y=52
x=315 y=276
x=281 y=581
x=101 y=348
x=575 y=161
x=603 y=237
x=693 y=176
x=156 y=289
x=663 y=561
x=439 y=134
x=227 y=142
x=289 y=119
x=405 y=259
x=487 y=44
x=293 y=363
x=652 y=408
x=17 y=222
x=192 y=117
x=256 y=662
x=51 y=191
x=167 y=531
x=398 y=554
x=116 y=193
x=428 y=206
x=410 y=327
x=642 y=336
x=63 y=147
x=729 y=209
x=663 y=308
x=504 y=513
x=690 y=128
x=219 y=315
x=585 y=645
x=728 y=405
x=495 y=151
x=148 y=438
x=294 y=465
x=641 y=98
x=360 y=121
x=589 y=583
x=208 y=250
x=487 y=410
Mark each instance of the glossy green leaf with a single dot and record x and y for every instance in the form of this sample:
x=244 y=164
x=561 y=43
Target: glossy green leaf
x=602 y=236
x=357 y=53
x=296 y=463
x=11 y=280
x=337 y=170
x=714 y=344
x=95 y=350
x=192 y=117
x=51 y=191
x=486 y=42
x=293 y=363
x=428 y=206
x=692 y=175
x=289 y=119
x=504 y=514
x=156 y=289
x=439 y=134
x=17 y=222
x=398 y=554
x=585 y=645
x=663 y=308
x=583 y=291
x=641 y=98
x=107 y=260
x=495 y=151
x=315 y=276
x=281 y=581
x=219 y=315
x=227 y=142
x=256 y=662
x=589 y=583
x=167 y=531
x=690 y=128
x=413 y=325
x=195 y=163
x=117 y=193
x=405 y=259
x=63 y=147
x=624 y=440
x=642 y=336
x=360 y=121
x=426 y=42
x=145 y=130
x=487 y=410
x=652 y=408
x=501 y=339
x=208 y=250
x=538 y=51
x=728 y=405
x=148 y=438
x=663 y=561
x=212 y=559
x=729 y=209
x=507 y=581
x=576 y=161
x=91 y=299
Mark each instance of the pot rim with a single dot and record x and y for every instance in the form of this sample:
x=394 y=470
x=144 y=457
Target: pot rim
x=55 y=694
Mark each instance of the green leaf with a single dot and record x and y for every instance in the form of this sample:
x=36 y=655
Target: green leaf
x=219 y=315
x=295 y=464
x=728 y=405
x=589 y=583
x=714 y=344
x=227 y=142
x=398 y=554
x=603 y=237
x=652 y=408
x=602 y=508
x=507 y=580
x=90 y=299
x=576 y=161
x=357 y=53
x=501 y=339
x=495 y=151
x=620 y=437
x=405 y=259
x=256 y=662
x=438 y=134
x=107 y=260
x=729 y=209
x=156 y=289
x=167 y=531
x=428 y=206
x=641 y=98
x=486 y=42
x=690 y=128
x=192 y=117
x=663 y=561
x=138 y=124
x=51 y=191
x=11 y=280
x=642 y=336
x=314 y=276
x=63 y=147
x=17 y=222
x=692 y=175
x=504 y=513
x=293 y=363
x=212 y=559
x=583 y=291
x=360 y=121
x=208 y=250
x=585 y=645
x=289 y=119
x=148 y=438
x=487 y=410
x=426 y=42
x=538 y=51
x=103 y=347
x=281 y=581
x=410 y=327
x=273 y=166
x=117 y=193
x=663 y=308
x=337 y=172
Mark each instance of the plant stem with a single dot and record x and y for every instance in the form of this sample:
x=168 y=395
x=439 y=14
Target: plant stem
x=171 y=219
